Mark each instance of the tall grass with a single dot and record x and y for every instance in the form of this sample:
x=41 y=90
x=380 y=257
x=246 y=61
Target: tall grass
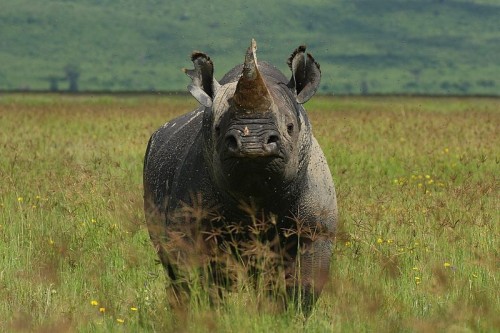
x=417 y=247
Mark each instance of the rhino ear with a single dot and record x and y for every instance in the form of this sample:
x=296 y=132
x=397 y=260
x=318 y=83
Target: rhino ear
x=203 y=85
x=306 y=74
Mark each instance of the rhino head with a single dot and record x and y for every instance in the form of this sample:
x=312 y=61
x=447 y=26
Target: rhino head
x=256 y=132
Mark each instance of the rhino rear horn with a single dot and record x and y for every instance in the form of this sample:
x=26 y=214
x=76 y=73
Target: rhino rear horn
x=251 y=91
x=306 y=74
x=203 y=85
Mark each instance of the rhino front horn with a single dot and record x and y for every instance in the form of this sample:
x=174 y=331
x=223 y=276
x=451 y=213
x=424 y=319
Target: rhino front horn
x=251 y=92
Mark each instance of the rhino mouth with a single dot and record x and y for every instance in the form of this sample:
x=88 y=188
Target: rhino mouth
x=253 y=176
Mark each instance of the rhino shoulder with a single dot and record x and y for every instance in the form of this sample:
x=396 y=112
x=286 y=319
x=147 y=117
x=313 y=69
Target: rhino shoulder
x=318 y=199
x=167 y=149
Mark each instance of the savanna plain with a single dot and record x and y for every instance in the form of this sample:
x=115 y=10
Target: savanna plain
x=417 y=247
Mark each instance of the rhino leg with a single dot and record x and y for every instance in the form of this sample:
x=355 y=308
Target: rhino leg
x=314 y=264
x=317 y=221
x=155 y=219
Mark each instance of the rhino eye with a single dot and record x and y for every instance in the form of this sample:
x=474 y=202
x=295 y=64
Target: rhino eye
x=289 y=128
x=217 y=130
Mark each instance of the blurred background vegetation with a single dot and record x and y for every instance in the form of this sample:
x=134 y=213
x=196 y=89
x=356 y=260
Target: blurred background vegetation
x=364 y=47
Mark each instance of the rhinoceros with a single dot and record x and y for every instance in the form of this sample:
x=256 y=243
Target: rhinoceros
x=243 y=174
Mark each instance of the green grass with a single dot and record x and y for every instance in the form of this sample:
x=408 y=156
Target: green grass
x=417 y=248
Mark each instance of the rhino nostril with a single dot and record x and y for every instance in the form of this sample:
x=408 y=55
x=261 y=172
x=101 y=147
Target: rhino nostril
x=273 y=139
x=231 y=142
x=271 y=145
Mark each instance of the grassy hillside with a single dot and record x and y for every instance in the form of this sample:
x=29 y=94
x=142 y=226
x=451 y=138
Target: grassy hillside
x=382 y=46
x=417 y=249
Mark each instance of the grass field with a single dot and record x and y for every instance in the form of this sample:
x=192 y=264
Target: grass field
x=417 y=248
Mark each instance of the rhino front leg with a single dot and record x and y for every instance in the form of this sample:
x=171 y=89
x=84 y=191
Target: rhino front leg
x=310 y=274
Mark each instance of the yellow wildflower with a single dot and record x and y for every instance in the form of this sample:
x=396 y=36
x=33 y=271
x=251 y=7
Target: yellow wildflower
x=380 y=240
x=94 y=303
x=348 y=243
x=447 y=264
x=417 y=280
x=20 y=199
x=133 y=309
x=102 y=310
x=121 y=321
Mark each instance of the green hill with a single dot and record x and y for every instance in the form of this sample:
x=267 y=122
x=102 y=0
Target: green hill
x=376 y=46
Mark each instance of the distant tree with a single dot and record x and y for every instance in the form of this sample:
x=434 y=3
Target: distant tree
x=460 y=87
x=364 y=87
x=463 y=86
x=72 y=72
x=446 y=86
x=348 y=88
x=486 y=83
x=414 y=86
x=416 y=73
x=53 y=81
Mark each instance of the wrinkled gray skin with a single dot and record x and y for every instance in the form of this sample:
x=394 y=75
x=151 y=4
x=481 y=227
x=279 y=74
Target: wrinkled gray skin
x=249 y=142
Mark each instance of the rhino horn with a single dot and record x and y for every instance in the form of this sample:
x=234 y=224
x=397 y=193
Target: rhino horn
x=251 y=92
